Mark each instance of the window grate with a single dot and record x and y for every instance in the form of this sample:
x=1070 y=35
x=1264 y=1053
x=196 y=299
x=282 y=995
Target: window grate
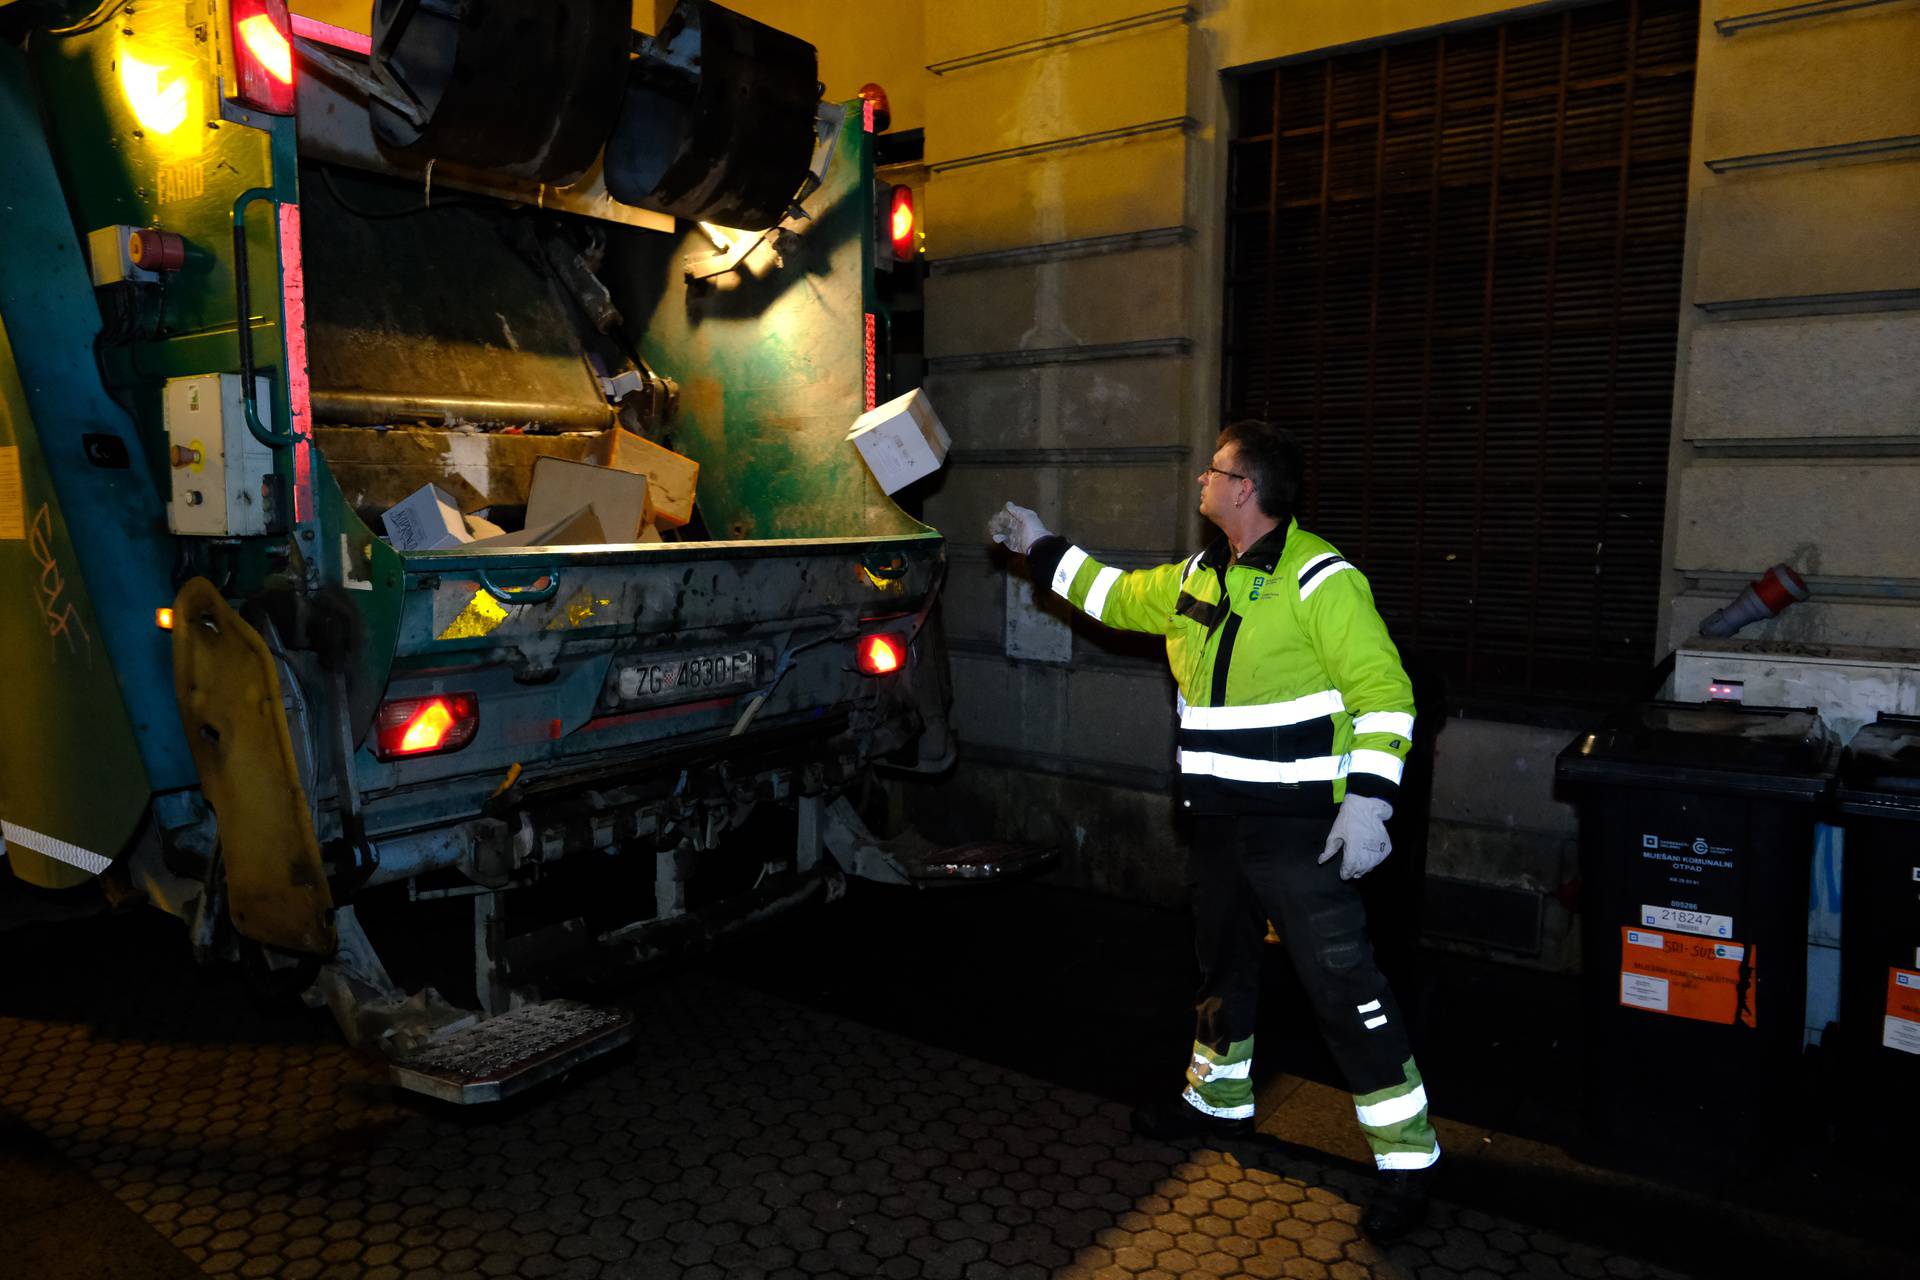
x=1453 y=268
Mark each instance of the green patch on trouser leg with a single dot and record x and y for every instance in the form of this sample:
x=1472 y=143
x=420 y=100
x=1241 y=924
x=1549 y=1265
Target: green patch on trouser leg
x=1395 y=1122
x=1221 y=1084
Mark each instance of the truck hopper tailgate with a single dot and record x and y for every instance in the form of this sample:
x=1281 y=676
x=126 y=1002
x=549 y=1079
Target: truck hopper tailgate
x=583 y=658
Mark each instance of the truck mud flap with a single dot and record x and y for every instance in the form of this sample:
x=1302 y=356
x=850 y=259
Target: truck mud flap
x=228 y=688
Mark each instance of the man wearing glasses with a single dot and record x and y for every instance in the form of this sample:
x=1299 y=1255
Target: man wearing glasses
x=1295 y=719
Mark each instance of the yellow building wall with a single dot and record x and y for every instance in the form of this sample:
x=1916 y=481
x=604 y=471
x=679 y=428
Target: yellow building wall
x=1795 y=438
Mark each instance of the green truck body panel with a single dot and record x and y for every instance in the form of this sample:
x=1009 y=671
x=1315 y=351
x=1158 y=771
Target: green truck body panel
x=76 y=778
x=766 y=405
x=82 y=561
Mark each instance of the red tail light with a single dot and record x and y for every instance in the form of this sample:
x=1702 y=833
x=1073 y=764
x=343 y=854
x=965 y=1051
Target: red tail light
x=901 y=224
x=263 y=55
x=881 y=655
x=425 y=726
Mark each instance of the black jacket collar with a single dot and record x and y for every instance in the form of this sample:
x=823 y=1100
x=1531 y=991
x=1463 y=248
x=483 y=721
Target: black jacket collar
x=1263 y=555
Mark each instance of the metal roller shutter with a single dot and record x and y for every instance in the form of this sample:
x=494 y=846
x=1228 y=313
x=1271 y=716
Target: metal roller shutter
x=1454 y=269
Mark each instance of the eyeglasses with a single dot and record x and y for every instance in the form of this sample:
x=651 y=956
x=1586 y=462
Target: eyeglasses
x=1215 y=471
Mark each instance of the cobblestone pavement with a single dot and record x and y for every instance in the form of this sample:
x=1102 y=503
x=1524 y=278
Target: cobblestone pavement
x=745 y=1136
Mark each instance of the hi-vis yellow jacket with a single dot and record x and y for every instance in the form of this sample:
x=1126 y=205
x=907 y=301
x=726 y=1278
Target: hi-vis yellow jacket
x=1292 y=695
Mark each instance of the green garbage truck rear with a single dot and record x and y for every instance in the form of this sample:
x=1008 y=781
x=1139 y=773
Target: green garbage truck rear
x=265 y=279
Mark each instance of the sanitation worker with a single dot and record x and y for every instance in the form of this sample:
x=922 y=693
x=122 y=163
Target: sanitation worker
x=1295 y=719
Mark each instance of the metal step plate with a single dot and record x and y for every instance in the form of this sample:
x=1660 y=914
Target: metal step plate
x=984 y=860
x=514 y=1051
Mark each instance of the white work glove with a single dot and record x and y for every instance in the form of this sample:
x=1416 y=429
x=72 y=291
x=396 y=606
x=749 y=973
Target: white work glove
x=1016 y=528
x=1360 y=831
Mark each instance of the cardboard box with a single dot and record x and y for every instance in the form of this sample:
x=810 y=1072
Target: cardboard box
x=673 y=479
x=902 y=440
x=578 y=528
x=428 y=520
x=425 y=520
x=480 y=528
x=569 y=504
x=619 y=498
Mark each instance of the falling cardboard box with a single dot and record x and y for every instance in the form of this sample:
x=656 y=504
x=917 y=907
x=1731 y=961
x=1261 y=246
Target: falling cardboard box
x=902 y=440
x=672 y=480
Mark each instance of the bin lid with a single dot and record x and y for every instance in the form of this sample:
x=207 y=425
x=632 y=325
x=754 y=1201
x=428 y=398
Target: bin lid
x=1880 y=772
x=1781 y=752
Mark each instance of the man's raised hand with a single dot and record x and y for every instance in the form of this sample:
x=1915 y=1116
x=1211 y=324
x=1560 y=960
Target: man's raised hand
x=1016 y=528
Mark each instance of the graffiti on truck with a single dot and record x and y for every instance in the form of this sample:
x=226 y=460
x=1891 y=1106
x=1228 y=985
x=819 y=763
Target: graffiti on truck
x=62 y=618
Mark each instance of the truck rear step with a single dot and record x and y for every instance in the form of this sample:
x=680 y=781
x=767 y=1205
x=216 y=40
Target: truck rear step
x=504 y=1055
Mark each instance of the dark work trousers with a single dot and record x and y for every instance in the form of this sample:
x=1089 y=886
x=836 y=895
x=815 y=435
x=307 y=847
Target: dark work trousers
x=1247 y=869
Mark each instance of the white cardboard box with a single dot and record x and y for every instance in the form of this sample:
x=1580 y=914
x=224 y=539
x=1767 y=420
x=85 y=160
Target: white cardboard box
x=426 y=520
x=902 y=440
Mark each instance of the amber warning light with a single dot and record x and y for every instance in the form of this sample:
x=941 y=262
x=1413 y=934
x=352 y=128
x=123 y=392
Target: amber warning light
x=263 y=55
x=425 y=726
x=881 y=655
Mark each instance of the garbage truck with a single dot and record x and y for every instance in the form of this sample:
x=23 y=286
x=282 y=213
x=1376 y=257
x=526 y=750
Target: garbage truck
x=266 y=281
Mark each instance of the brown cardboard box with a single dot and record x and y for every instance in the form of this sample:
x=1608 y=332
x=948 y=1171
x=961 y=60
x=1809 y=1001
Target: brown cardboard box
x=620 y=499
x=674 y=479
x=578 y=528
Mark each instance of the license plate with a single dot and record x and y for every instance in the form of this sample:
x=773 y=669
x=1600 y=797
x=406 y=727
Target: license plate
x=1707 y=926
x=681 y=678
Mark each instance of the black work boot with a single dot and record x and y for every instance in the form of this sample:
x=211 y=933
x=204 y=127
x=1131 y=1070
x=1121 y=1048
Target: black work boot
x=1399 y=1203
x=1175 y=1120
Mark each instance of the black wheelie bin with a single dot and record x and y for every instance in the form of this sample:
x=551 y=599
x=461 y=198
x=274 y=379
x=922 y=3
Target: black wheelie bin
x=1879 y=803
x=1696 y=839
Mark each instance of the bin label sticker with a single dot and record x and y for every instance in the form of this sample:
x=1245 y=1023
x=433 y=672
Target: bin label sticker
x=1694 y=978
x=1643 y=992
x=1902 y=1029
x=1685 y=921
x=1641 y=938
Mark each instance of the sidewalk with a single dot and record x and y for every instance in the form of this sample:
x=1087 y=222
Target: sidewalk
x=745 y=1136
x=874 y=1094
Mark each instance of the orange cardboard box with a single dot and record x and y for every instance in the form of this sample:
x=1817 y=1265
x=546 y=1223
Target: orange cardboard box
x=672 y=480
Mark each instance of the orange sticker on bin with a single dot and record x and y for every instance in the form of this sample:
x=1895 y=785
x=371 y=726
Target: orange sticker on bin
x=1705 y=979
x=1901 y=1029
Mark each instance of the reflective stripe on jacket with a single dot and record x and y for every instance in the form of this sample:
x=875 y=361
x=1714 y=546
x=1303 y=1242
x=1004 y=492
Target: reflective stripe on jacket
x=1291 y=692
